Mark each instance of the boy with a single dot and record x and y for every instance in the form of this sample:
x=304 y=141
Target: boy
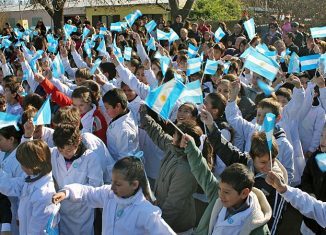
x=235 y=206
x=122 y=134
x=258 y=162
x=11 y=93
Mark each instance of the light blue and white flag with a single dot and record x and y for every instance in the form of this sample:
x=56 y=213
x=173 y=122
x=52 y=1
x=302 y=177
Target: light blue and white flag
x=309 y=62
x=178 y=77
x=6 y=43
x=321 y=161
x=211 y=67
x=127 y=53
x=150 y=26
x=219 y=34
x=151 y=44
x=124 y=25
x=163 y=98
x=250 y=28
x=52 y=43
x=102 y=47
x=85 y=33
x=19 y=34
x=226 y=66
x=95 y=66
x=247 y=52
x=52 y=227
x=318 y=32
x=161 y=35
x=265 y=88
x=131 y=18
x=294 y=64
x=57 y=67
x=87 y=48
x=192 y=51
x=117 y=52
x=115 y=27
x=193 y=65
x=269 y=124
x=284 y=54
x=43 y=116
x=173 y=36
x=165 y=62
x=103 y=31
x=69 y=29
x=192 y=93
x=38 y=55
x=262 y=65
x=7 y=119
x=262 y=48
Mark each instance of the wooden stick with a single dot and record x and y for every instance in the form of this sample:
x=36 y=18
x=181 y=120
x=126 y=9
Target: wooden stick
x=178 y=129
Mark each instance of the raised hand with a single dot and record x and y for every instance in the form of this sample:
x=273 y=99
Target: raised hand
x=275 y=181
x=39 y=77
x=207 y=118
x=29 y=129
x=235 y=89
x=58 y=197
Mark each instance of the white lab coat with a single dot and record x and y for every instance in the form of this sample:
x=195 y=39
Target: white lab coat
x=48 y=136
x=76 y=218
x=35 y=204
x=122 y=137
x=87 y=120
x=137 y=218
x=11 y=166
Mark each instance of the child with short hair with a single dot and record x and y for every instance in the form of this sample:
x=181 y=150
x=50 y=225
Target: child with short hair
x=122 y=133
x=126 y=201
x=11 y=93
x=35 y=191
x=235 y=206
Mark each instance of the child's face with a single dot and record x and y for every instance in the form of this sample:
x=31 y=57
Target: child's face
x=121 y=187
x=185 y=113
x=282 y=100
x=38 y=133
x=155 y=69
x=230 y=197
x=261 y=115
x=217 y=54
x=112 y=111
x=10 y=98
x=323 y=140
x=224 y=90
x=304 y=82
x=208 y=105
x=79 y=80
x=82 y=106
x=3 y=107
x=68 y=151
x=6 y=145
x=131 y=95
x=262 y=164
x=141 y=76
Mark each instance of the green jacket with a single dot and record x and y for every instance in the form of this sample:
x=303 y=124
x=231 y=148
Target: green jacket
x=210 y=185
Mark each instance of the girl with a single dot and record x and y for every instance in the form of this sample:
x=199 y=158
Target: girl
x=9 y=140
x=127 y=200
x=35 y=190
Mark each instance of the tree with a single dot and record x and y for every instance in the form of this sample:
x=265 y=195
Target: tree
x=222 y=10
x=184 y=12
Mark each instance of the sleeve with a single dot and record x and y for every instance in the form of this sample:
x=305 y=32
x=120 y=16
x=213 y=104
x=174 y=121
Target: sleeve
x=141 y=52
x=286 y=157
x=57 y=96
x=200 y=170
x=62 y=87
x=78 y=60
x=95 y=197
x=5 y=70
x=70 y=71
x=11 y=186
x=290 y=111
x=182 y=185
x=155 y=225
x=237 y=122
x=131 y=80
x=151 y=79
x=107 y=87
x=307 y=205
x=307 y=102
x=95 y=172
x=322 y=97
x=128 y=143
x=225 y=150
x=155 y=132
x=26 y=54
x=318 y=129
x=30 y=76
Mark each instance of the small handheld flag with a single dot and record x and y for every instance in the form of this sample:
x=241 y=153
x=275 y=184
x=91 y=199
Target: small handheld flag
x=151 y=44
x=85 y=33
x=131 y=18
x=164 y=61
x=87 y=49
x=211 y=67
x=265 y=88
x=294 y=64
x=69 y=29
x=7 y=119
x=103 y=31
x=318 y=32
x=43 y=116
x=161 y=35
x=57 y=66
x=52 y=227
x=309 y=62
x=173 y=36
x=95 y=66
x=127 y=53
x=115 y=27
x=193 y=65
x=150 y=26
x=219 y=34
x=269 y=124
x=192 y=51
x=192 y=93
x=250 y=28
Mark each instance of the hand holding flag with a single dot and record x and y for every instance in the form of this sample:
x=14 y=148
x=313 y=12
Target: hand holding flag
x=269 y=125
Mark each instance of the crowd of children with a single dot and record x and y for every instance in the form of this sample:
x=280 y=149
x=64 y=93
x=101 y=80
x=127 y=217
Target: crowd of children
x=115 y=165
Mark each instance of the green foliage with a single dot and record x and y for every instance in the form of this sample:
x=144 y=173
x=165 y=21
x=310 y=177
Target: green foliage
x=221 y=10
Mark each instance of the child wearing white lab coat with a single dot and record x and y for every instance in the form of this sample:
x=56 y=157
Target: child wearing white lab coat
x=126 y=201
x=9 y=140
x=34 y=191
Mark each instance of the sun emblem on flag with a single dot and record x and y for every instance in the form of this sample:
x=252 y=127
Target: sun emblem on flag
x=163 y=98
x=261 y=64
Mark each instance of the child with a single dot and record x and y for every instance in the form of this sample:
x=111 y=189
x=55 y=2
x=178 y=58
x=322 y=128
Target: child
x=122 y=134
x=11 y=90
x=9 y=141
x=35 y=190
x=258 y=162
x=235 y=206
x=2 y=103
x=126 y=201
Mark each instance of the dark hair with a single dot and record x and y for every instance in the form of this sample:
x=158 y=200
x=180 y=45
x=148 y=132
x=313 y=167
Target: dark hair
x=272 y=104
x=291 y=35
x=218 y=101
x=109 y=68
x=66 y=134
x=36 y=156
x=84 y=94
x=2 y=99
x=238 y=176
x=83 y=73
x=34 y=100
x=10 y=131
x=220 y=47
x=133 y=169
x=95 y=89
x=115 y=96
x=259 y=146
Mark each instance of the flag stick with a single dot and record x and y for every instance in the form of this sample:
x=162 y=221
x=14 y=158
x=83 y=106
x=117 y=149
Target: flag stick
x=202 y=78
x=176 y=127
x=270 y=158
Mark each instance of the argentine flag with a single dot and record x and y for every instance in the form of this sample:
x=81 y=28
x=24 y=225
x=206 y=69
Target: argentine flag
x=57 y=67
x=85 y=33
x=131 y=18
x=95 y=66
x=322 y=64
x=151 y=44
x=265 y=88
x=6 y=43
x=321 y=161
x=115 y=27
x=219 y=34
x=211 y=67
x=69 y=29
x=192 y=51
x=269 y=124
x=173 y=36
x=103 y=31
x=161 y=35
x=194 y=66
x=127 y=53
x=262 y=65
x=102 y=48
x=309 y=62
x=52 y=227
x=165 y=62
x=250 y=28
x=226 y=66
x=87 y=49
x=7 y=119
x=43 y=116
x=318 y=32
x=192 y=93
x=294 y=64
x=163 y=98
x=247 y=52
x=150 y=26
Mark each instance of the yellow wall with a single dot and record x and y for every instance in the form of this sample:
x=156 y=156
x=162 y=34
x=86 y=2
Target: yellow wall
x=125 y=10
